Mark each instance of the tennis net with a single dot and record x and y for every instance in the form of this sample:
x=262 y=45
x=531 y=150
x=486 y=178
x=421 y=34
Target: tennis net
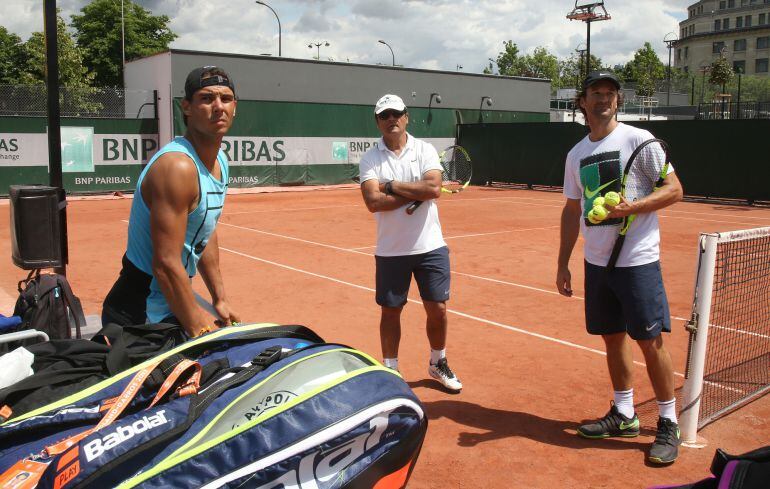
x=728 y=360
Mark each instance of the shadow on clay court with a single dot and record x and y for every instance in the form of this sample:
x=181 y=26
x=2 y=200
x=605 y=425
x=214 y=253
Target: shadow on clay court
x=500 y=424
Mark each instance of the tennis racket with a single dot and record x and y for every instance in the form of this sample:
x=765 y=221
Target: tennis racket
x=455 y=176
x=643 y=174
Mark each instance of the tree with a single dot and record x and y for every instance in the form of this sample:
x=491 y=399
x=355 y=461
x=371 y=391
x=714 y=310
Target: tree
x=721 y=72
x=99 y=35
x=572 y=70
x=508 y=62
x=72 y=72
x=11 y=56
x=645 y=69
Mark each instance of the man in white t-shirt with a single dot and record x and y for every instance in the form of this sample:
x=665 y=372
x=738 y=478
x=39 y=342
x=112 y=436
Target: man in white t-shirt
x=397 y=171
x=629 y=300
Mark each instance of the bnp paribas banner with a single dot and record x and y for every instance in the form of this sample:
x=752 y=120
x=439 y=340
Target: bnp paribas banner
x=111 y=162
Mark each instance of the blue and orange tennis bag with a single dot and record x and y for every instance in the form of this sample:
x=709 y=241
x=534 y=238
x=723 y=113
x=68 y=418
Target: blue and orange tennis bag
x=259 y=406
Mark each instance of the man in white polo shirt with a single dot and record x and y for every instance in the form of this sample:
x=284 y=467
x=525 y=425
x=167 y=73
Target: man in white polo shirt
x=398 y=171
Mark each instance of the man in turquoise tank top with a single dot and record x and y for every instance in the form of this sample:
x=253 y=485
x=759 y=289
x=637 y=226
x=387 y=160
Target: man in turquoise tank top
x=172 y=229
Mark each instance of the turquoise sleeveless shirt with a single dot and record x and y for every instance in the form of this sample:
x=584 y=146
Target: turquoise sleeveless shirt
x=201 y=222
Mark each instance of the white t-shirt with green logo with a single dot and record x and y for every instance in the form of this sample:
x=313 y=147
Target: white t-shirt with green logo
x=594 y=168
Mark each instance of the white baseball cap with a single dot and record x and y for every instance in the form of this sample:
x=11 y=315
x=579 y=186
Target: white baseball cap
x=389 y=101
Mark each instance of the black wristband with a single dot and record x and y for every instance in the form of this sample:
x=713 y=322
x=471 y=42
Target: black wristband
x=388 y=188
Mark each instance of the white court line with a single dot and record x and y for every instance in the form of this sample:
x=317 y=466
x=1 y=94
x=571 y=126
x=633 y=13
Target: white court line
x=349 y=250
x=458 y=313
x=471 y=235
x=290 y=209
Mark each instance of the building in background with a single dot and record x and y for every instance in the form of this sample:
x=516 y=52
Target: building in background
x=737 y=29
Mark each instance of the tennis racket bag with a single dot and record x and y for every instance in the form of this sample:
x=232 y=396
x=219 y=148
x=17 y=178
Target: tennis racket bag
x=257 y=406
x=750 y=470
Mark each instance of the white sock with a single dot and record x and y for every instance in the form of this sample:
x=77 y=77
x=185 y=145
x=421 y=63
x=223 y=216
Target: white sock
x=667 y=409
x=436 y=355
x=624 y=401
x=391 y=363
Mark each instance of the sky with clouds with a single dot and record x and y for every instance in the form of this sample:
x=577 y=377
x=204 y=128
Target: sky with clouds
x=430 y=34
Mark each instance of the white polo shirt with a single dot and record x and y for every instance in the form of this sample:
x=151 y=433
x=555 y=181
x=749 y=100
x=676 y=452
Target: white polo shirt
x=398 y=233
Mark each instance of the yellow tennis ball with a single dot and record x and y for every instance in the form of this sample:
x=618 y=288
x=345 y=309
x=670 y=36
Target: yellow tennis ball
x=611 y=199
x=599 y=201
x=600 y=212
x=592 y=218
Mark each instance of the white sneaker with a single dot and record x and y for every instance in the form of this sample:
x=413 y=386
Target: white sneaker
x=444 y=374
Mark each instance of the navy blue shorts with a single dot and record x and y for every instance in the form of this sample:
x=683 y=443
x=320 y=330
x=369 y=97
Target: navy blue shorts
x=626 y=299
x=394 y=274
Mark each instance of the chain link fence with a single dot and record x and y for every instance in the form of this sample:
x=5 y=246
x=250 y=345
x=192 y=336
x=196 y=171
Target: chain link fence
x=117 y=103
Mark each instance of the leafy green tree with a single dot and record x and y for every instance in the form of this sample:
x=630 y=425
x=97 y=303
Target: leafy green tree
x=646 y=69
x=99 y=35
x=72 y=72
x=11 y=56
x=509 y=62
x=572 y=70
x=721 y=72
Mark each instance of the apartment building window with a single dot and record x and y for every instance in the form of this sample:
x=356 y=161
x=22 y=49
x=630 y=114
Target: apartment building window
x=739 y=66
x=763 y=42
x=686 y=51
x=692 y=29
x=748 y=21
x=722 y=5
x=760 y=65
x=725 y=24
x=717 y=47
x=738 y=22
x=761 y=20
x=739 y=45
x=717 y=25
x=730 y=3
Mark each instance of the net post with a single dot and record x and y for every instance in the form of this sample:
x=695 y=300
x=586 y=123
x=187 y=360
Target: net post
x=693 y=387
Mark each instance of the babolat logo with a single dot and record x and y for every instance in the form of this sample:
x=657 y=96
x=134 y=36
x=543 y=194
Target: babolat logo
x=326 y=464
x=95 y=448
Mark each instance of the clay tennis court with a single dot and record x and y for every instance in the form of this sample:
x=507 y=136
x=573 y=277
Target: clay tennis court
x=530 y=372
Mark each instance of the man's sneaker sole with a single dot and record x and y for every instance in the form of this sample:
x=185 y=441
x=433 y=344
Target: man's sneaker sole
x=607 y=435
x=658 y=461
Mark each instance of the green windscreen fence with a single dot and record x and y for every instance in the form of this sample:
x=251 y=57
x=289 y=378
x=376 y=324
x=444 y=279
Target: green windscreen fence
x=728 y=159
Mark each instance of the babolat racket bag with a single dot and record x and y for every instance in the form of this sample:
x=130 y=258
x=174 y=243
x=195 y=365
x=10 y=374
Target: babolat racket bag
x=259 y=406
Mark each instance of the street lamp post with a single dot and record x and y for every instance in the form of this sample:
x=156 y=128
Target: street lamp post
x=123 y=36
x=279 y=24
x=670 y=41
x=318 y=48
x=393 y=56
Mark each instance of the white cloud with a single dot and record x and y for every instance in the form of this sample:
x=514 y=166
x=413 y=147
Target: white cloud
x=433 y=34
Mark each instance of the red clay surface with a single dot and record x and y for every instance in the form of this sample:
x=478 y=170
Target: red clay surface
x=305 y=257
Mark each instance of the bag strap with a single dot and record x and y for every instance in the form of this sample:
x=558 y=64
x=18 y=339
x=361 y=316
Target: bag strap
x=73 y=303
x=721 y=458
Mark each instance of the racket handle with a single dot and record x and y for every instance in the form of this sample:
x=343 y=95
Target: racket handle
x=616 y=252
x=413 y=207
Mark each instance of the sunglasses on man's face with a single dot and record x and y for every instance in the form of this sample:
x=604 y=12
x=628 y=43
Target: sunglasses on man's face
x=383 y=116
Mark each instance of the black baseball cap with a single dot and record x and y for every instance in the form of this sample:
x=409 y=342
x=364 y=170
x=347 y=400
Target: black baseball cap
x=599 y=75
x=206 y=76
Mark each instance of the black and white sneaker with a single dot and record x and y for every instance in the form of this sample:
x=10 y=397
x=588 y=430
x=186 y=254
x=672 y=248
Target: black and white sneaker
x=444 y=374
x=612 y=424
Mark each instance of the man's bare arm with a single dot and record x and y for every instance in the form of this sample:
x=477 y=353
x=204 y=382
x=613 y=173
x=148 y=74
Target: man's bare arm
x=208 y=266
x=377 y=200
x=427 y=188
x=570 y=229
x=670 y=192
x=171 y=190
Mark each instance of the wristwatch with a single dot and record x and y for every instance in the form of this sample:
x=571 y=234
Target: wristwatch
x=389 y=188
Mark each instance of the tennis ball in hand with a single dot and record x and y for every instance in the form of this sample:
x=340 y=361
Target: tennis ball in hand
x=611 y=199
x=599 y=202
x=592 y=218
x=600 y=212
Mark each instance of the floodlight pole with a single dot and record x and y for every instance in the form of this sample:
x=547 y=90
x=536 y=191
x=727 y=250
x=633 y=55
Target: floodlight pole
x=279 y=24
x=392 y=56
x=587 y=13
x=54 y=122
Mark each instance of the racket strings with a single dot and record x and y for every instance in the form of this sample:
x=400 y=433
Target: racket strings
x=457 y=167
x=645 y=171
